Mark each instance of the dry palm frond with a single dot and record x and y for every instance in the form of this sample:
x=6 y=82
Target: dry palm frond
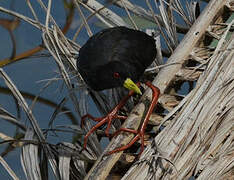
x=186 y=144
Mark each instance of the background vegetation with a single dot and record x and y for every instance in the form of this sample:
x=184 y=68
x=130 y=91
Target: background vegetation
x=190 y=134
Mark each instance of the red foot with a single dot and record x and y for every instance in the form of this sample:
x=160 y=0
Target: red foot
x=107 y=119
x=140 y=133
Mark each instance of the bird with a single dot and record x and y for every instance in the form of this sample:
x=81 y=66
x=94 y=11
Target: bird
x=117 y=57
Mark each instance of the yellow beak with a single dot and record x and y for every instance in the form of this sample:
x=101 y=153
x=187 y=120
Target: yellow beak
x=129 y=84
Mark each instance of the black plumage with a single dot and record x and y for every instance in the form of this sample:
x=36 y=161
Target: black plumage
x=114 y=54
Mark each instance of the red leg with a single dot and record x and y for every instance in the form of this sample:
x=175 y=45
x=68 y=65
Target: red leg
x=140 y=133
x=90 y=117
x=125 y=130
x=107 y=119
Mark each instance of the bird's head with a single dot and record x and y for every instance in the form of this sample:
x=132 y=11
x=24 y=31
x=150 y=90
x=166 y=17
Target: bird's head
x=116 y=74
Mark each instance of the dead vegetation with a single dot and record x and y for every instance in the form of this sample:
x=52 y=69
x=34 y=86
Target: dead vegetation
x=191 y=134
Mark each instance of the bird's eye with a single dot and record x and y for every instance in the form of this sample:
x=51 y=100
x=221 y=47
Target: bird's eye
x=116 y=75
